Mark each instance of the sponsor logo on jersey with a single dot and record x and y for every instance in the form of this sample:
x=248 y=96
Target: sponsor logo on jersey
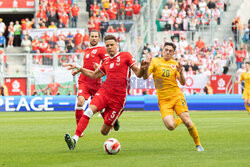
x=93 y=52
x=111 y=65
x=173 y=66
x=87 y=56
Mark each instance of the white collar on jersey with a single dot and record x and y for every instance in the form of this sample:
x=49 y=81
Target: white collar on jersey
x=91 y=47
x=115 y=55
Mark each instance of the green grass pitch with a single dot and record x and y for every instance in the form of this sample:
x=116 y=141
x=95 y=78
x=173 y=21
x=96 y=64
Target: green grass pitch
x=37 y=139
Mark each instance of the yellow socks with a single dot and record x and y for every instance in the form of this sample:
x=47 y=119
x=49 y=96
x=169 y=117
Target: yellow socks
x=247 y=107
x=194 y=133
x=178 y=121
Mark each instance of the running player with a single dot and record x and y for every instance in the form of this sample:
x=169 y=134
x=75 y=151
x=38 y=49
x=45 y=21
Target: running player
x=246 y=93
x=88 y=87
x=112 y=94
x=170 y=98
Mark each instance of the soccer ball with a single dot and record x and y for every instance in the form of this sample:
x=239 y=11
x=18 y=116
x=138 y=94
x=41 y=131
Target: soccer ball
x=112 y=146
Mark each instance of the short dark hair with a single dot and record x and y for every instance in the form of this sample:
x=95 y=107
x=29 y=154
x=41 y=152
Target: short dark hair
x=170 y=44
x=95 y=31
x=110 y=37
x=248 y=62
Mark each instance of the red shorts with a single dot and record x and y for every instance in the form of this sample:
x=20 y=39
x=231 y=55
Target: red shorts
x=87 y=91
x=113 y=105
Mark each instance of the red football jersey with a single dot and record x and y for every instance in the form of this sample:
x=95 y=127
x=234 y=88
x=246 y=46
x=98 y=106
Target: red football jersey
x=92 y=55
x=118 y=71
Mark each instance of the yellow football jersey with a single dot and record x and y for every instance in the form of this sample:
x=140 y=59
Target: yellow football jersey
x=165 y=77
x=246 y=77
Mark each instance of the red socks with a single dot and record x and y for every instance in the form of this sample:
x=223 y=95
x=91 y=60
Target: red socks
x=82 y=125
x=78 y=115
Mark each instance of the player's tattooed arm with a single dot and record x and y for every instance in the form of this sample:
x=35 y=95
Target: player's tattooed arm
x=88 y=73
x=181 y=77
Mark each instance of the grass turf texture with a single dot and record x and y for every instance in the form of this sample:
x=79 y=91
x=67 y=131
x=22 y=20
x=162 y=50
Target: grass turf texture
x=37 y=139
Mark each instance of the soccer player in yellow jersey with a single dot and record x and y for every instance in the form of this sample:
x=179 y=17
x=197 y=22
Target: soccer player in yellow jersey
x=165 y=71
x=246 y=93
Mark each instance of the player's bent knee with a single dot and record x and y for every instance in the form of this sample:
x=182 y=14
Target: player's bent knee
x=170 y=127
x=80 y=101
x=104 y=132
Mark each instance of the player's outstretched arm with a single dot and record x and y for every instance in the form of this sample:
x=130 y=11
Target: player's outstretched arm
x=140 y=71
x=181 y=77
x=88 y=73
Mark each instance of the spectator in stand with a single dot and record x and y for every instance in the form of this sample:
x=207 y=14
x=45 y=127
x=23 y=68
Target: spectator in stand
x=31 y=24
x=65 y=18
x=216 y=15
x=121 y=28
x=45 y=36
x=190 y=71
x=3 y=58
x=121 y=10
x=78 y=38
x=26 y=44
x=70 y=46
x=56 y=49
x=240 y=57
x=52 y=25
x=60 y=24
x=211 y=4
x=91 y=25
x=61 y=44
x=2 y=40
x=155 y=49
x=95 y=9
x=208 y=88
x=11 y=34
x=202 y=6
x=236 y=28
x=85 y=38
x=52 y=18
x=51 y=43
x=105 y=4
x=35 y=45
x=104 y=26
x=17 y=34
x=246 y=36
x=112 y=11
x=2 y=26
x=136 y=8
x=3 y=90
x=79 y=49
x=70 y=36
x=129 y=11
x=75 y=14
x=43 y=26
x=111 y=29
x=200 y=43
x=43 y=46
x=192 y=28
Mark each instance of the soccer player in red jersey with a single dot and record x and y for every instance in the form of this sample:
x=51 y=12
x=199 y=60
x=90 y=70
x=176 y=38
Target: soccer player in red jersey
x=88 y=86
x=112 y=94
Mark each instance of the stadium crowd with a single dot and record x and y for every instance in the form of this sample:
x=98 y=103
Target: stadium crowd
x=201 y=58
x=102 y=12
x=188 y=15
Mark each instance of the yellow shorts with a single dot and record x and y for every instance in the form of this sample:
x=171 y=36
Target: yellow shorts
x=175 y=104
x=246 y=94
